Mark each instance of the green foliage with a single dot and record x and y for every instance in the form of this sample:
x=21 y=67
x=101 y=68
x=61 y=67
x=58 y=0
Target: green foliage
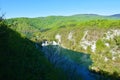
x=46 y=28
x=100 y=46
x=20 y=60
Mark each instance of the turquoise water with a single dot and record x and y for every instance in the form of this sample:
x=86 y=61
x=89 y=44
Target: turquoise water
x=75 y=64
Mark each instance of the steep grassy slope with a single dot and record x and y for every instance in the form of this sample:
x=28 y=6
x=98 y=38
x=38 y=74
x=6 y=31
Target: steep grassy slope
x=20 y=60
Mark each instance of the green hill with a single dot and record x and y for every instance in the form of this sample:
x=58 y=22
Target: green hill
x=20 y=60
x=53 y=21
x=91 y=34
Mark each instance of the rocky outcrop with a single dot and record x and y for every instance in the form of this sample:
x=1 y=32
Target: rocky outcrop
x=90 y=39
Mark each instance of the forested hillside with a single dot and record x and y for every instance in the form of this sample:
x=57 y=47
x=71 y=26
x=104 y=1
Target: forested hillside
x=94 y=35
x=21 y=60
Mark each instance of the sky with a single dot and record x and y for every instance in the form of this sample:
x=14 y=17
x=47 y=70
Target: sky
x=40 y=8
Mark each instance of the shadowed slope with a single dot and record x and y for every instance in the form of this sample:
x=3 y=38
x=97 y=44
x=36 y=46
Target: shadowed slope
x=20 y=60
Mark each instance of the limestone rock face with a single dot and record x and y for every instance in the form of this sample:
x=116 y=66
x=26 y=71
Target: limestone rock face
x=89 y=40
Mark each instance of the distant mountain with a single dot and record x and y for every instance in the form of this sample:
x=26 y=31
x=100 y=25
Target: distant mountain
x=97 y=16
x=115 y=15
x=86 y=15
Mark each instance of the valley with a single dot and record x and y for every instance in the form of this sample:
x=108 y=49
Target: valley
x=77 y=47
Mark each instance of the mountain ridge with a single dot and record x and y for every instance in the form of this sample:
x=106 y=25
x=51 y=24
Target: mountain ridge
x=115 y=15
x=112 y=15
